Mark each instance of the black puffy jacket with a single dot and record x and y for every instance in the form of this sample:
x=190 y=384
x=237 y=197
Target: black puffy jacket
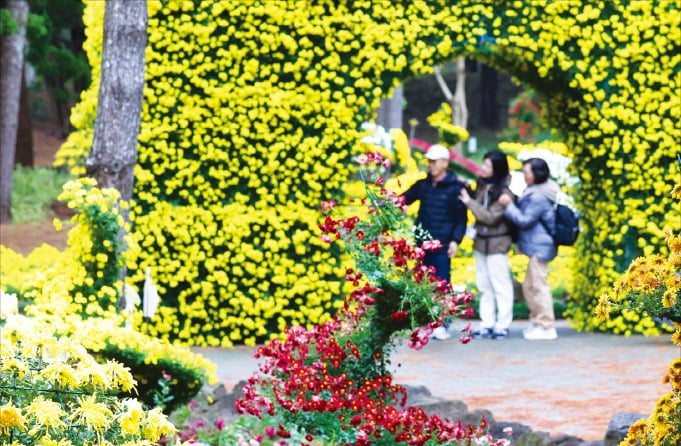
x=441 y=212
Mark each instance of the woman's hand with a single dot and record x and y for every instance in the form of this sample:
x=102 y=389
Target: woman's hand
x=464 y=197
x=505 y=199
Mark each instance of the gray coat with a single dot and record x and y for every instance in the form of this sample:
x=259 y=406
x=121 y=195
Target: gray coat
x=536 y=202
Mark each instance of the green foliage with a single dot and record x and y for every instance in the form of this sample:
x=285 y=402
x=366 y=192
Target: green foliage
x=55 y=32
x=238 y=431
x=33 y=190
x=8 y=25
x=524 y=118
x=184 y=383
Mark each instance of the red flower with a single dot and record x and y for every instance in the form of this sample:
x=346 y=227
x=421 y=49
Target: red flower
x=328 y=205
x=431 y=245
x=399 y=315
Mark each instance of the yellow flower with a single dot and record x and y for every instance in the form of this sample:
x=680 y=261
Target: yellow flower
x=157 y=425
x=132 y=418
x=48 y=441
x=603 y=306
x=93 y=413
x=674 y=243
x=676 y=337
x=60 y=373
x=676 y=192
x=46 y=413
x=120 y=376
x=669 y=297
x=10 y=418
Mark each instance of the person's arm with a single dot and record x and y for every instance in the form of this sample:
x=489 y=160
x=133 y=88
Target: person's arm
x=530 y=215
x=491 y=216
x=460 y=219
x=413 y=193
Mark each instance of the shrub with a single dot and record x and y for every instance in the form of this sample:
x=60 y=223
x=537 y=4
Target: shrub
x=53 y=392
x=74 y=294
x=331 y=381
x=257 y=111
x=652 y=286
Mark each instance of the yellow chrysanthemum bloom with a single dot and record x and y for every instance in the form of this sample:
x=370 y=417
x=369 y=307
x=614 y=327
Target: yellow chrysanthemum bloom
x=61 y=374
x=46 y=413
x=11 y=418
x=93 y=413
x=603 y=306
x=131 y=420
x=157 y=425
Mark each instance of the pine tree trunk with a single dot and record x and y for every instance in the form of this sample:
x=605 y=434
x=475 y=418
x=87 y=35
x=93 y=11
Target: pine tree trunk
x=11 y=73
x=114 y=148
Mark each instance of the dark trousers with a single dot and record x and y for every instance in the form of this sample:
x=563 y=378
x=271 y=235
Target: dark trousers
x=441 y=262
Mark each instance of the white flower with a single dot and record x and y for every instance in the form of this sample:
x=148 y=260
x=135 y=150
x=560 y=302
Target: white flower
x=9 y=304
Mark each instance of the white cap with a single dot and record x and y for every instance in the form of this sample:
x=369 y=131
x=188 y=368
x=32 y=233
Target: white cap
x=438 y=152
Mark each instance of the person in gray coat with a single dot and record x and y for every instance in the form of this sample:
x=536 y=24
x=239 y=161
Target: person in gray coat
x=536 y=204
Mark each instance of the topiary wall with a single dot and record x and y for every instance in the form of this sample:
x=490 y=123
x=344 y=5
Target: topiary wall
x=252 y=111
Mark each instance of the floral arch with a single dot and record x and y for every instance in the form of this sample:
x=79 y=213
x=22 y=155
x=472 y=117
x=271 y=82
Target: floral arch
x=252 y=110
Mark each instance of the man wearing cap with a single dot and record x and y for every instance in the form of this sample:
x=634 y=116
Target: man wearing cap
x=441 y=212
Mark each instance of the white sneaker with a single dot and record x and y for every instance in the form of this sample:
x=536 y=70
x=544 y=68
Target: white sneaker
x=441 y=333
x=540 y=334
x=529 y=328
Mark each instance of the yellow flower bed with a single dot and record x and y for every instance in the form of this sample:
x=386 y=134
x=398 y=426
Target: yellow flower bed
x=255 y=107
x=54 y=392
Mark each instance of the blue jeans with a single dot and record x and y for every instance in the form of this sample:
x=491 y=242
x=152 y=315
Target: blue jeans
x=441 y=262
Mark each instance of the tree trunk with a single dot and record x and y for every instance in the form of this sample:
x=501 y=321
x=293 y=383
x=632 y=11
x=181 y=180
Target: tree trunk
x=24 y=146
x=390 y=111
x=114 y=147
x=11 y=73
x=458 y=102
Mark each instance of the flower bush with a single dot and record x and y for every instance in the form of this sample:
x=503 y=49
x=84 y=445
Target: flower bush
x=255 y=108
x=448 y=134
x=53 y=392
x=74 y=294
x=663 y=427
x=245 y=431
x=331 y=381
x=652 y=286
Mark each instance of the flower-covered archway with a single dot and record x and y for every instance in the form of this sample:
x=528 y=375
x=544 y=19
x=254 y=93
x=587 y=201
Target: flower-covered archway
x=252 y=111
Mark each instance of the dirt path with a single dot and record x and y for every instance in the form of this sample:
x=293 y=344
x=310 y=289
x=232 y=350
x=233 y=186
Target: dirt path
x=25 y=237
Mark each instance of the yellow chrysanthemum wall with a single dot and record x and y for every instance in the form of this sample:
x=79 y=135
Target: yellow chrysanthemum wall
x=252 y=111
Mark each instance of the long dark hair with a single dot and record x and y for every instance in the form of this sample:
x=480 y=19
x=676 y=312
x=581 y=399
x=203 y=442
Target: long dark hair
x=499 y=172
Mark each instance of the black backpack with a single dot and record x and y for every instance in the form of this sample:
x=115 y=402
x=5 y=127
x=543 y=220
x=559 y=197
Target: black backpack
x=513 y=230
x=567 y=226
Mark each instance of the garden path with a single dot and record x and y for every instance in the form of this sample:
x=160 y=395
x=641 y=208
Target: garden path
x=25 y=237
x=573 y=385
